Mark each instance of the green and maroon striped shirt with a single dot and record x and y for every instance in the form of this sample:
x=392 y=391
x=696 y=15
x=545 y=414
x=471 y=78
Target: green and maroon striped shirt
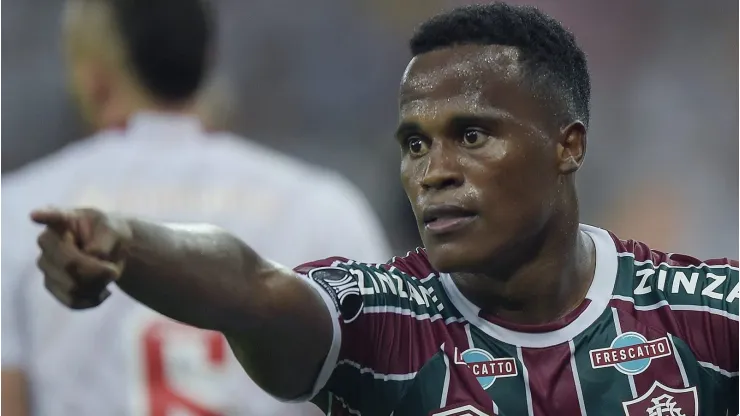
x=657 y=335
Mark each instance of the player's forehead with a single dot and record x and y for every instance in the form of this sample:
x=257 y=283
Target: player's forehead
x=465 y=78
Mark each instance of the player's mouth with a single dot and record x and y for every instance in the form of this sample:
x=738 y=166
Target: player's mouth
x=444 y=219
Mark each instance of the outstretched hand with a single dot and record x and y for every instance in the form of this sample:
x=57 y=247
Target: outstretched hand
x=82 y=251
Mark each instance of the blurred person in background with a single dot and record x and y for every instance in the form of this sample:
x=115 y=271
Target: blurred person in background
x=137 y=68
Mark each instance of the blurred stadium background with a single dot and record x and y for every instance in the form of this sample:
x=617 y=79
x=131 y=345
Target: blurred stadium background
x=318 y=79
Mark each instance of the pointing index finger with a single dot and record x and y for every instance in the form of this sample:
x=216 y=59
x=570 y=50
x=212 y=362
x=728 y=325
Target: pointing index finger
x=52 y=217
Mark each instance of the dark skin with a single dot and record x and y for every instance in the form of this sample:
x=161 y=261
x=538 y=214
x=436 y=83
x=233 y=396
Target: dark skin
x=475 y=140
x=475 y=136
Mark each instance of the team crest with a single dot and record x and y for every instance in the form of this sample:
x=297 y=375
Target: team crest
x=664 y=401
x=484 y=367
x=630 y=353
x=343 y=288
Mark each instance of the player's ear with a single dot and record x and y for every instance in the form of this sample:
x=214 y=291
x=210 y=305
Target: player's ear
x=571 y=147
x=88 y=81
x=101 y=79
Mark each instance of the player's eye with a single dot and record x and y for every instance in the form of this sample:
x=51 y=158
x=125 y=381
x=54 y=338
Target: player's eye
x=473 y=137
x=416 y=145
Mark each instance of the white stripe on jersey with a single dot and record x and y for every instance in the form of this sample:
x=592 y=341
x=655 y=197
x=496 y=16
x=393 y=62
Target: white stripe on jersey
x=525 y=377
x=719 y=370
x=576 y=378
x=407 y=312
x=679 y=361
x=673 y=306
x=650 y=262
x=618 y=327
x=446 y=384
x=376 y=375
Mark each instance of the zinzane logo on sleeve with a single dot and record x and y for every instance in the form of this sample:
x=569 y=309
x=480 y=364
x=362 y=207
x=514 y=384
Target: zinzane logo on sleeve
x=343 y=288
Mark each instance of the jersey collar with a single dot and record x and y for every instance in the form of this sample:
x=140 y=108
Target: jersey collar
x=597 y=300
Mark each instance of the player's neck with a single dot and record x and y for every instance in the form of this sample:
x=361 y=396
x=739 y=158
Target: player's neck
x=118 y=112
x=542 y=288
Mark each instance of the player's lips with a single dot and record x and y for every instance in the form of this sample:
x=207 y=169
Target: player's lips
x=443 y=219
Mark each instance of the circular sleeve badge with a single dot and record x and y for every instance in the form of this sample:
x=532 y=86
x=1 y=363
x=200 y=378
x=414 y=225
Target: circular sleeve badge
x=344 y=289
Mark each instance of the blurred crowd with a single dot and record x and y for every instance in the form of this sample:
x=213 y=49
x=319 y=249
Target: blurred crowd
x=318 y=79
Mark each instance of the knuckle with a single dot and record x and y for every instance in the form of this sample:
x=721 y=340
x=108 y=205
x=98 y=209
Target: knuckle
x=79 y=305
x=41 y=263
x=85 y=302
x=57 y=292
x=88 y=212
x=42 y=239
x=49 y=285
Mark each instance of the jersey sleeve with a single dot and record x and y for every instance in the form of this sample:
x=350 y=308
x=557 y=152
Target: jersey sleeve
x=374 y=356
x=710 y=324
x=695 y=300
x=707 y=313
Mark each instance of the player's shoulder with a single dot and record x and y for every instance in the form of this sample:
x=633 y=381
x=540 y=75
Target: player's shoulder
x=414 y=265
x=649 y=277
x=51 y=167
x=283 y=170
x=48 y=180
x=408 y=285
x=51 y=179
x=254 y=156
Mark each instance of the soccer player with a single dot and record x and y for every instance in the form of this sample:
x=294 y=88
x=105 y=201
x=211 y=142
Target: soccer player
x=511 y=308
x=137 y=67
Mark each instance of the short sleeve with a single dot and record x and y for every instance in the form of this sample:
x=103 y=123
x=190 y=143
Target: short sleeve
x=379 y=314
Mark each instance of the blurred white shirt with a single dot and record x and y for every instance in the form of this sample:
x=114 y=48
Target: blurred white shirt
x=122 y=358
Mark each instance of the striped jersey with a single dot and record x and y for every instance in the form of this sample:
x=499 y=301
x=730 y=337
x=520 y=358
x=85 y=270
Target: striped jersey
x=657 y=335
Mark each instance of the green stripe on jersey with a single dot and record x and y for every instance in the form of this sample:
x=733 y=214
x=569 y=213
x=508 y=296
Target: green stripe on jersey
x=716 y=395
x=360 y=391
x=603 y=388
x=707 y=286
x=509 y=393
x=426 y=393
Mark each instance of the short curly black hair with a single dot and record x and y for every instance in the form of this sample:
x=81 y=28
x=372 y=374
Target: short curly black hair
x=548 y=51
x=168 y=43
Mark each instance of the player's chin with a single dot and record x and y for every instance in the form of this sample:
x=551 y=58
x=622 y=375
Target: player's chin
x=453 y=256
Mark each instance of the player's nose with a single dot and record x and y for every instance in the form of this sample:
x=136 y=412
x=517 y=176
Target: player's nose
x=442 y=168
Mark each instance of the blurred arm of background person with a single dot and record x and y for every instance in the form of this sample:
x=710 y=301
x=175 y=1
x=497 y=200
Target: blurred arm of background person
x=14 y=384
x=14 y=393
x=159 y=152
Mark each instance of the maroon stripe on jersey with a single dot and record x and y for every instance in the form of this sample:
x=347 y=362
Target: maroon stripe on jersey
x=415 y=264
x=643 y=253
x=708 y=335
x=663 y=369
x=401 y=344
x=327 y=262
x=551 y=380
x=640 y=250
x=549 y=327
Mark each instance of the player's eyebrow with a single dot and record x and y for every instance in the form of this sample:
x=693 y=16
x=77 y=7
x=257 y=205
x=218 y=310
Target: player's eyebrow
x=489 y=119
x=405 y=128
x=493 y=119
